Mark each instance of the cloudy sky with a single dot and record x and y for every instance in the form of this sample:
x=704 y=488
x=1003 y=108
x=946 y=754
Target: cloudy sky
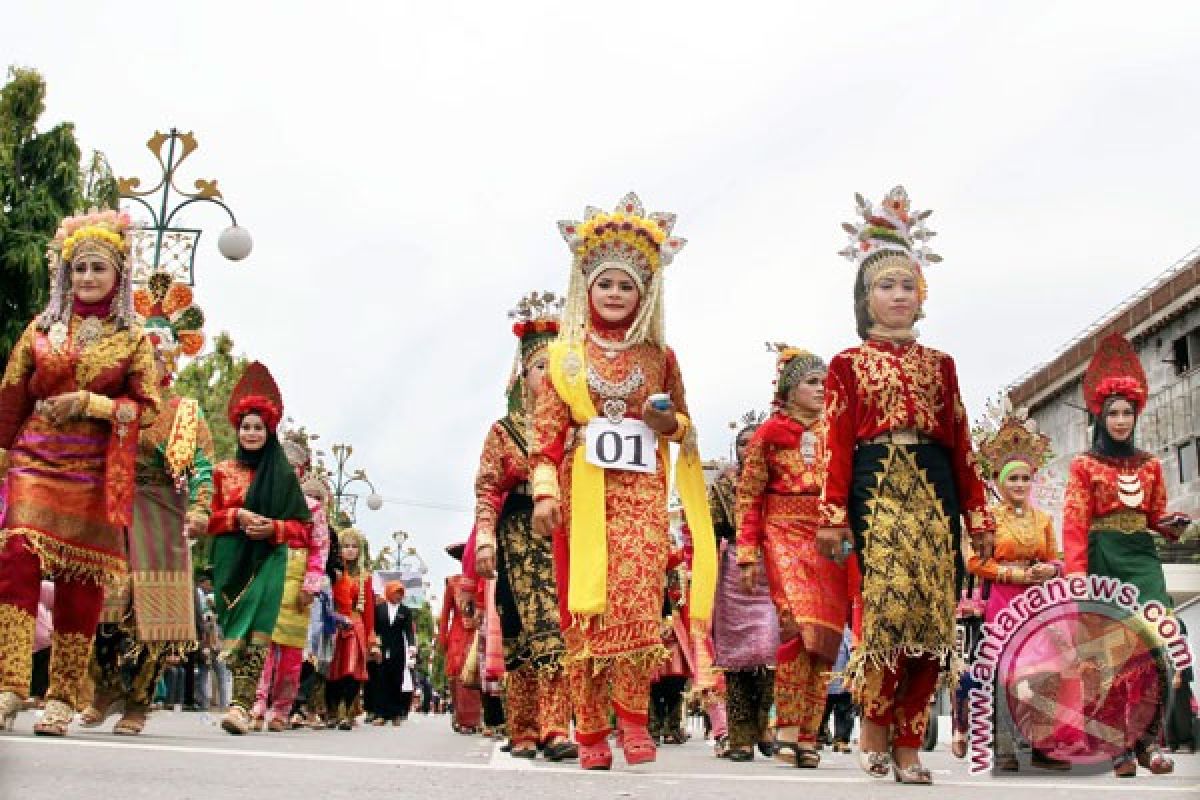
x=401 y=167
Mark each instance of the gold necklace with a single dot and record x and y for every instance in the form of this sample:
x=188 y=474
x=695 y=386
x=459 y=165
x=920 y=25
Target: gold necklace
x=610 y=348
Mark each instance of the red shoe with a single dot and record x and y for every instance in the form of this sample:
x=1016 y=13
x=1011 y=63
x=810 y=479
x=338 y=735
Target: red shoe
x=595 y=756
x=638 y=746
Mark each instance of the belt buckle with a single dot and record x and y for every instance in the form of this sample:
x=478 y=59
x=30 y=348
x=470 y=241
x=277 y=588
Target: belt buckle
x=905 y=437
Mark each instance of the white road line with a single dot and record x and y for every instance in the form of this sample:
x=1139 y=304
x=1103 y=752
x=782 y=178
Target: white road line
x=498 y=763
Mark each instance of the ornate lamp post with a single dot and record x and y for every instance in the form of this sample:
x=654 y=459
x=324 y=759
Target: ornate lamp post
x=405 y=556
x=346 y=502
x=160 y=245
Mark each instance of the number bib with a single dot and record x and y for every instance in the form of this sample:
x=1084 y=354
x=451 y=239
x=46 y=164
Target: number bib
x=629 y=445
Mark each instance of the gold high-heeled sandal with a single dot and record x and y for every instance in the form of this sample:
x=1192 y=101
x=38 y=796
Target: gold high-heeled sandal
x=55 y=719
x=10 y=704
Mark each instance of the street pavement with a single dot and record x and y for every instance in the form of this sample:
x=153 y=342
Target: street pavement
x=185 y=755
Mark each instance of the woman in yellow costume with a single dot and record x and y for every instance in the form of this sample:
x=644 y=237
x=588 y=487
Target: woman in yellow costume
x=599 y=461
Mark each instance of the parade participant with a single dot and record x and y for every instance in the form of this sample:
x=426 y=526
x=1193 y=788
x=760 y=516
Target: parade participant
x=397 y=645
x=778 y=507
x=354 y=603
x=79 y=384
x=456 y=630
x=745 y=624
x=258 y=509
x=538 y=705
x=900 y=473
x=669 y=684
x=1026 y=549
x=1116 y=499
x=615 y=382
x=306 y=557
x=151 y=616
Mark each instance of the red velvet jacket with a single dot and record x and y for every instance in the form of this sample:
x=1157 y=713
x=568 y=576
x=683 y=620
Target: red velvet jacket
x=879 y=387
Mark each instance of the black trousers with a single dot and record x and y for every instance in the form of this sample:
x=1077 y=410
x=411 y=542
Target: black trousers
x=840 y=706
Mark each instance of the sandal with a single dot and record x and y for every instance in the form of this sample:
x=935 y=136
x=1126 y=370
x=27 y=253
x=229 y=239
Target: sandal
x=721 y=747
x=915 y=774
x=97 y=711
x=741 y=755
x=767 y=748
x=797 y=755
x=596 y=756
x=877 y=765
x=524 y=750
x=10 y=704
x=958 y=745
x=55 y=719
x=131 y=723
x=236 y=721
x=256 y=723
x=276 y=725
x=1152 y=758
x=1125 y=765
x=561 y=750
x=637 y=746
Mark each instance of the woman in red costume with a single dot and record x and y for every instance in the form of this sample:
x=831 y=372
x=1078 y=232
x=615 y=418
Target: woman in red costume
x=457 y=627
x=258 y=509
x=901 y=473
x=778 y=505
x=354 y=606
x=1116 y=501
x=78 y=385
x=600 y=456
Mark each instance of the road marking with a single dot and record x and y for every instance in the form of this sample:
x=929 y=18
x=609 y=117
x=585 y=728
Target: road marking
x=494 y=762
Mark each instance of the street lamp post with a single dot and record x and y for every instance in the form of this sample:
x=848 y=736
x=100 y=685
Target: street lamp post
x=407 y=555
x=160 y=245
x=345 y=502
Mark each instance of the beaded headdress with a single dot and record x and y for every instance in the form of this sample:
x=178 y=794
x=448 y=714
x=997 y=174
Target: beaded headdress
x=256 y=393
x=890 y=237
x=171 y=320
x=107 y=234
x=1115 y=369
x=639 y=244
x=1006 y=435
x=791 y=365
x=535 y=324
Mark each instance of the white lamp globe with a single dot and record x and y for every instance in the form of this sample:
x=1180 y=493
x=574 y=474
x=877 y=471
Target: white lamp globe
x=235 y=243
x=374 y=502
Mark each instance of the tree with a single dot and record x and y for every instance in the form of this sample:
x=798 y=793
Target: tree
x=40 y=182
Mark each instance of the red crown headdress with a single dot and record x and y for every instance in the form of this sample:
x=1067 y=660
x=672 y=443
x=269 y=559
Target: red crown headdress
x=1115 y=370
x=256 y=393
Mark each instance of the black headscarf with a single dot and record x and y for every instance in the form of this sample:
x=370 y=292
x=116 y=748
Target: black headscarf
x=1103 y=444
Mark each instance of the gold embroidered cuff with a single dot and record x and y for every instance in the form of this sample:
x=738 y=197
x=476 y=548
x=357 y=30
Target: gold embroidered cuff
x=544 y=481
x=97 y=406
x=747 y=555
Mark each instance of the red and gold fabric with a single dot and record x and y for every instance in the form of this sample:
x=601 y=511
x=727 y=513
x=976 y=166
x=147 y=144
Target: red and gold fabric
x=881 y=387
x=455 y=627
x=778 y=508
x=356 y=633
x=1094 y=499
x=69 y=487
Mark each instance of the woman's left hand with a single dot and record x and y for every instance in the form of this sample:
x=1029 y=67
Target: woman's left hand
x=662 y=421
x=261 y=529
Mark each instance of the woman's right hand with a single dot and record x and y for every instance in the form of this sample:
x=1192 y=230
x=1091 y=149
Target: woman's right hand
x=547 y=516
x=1040 y=573
x=831 y=543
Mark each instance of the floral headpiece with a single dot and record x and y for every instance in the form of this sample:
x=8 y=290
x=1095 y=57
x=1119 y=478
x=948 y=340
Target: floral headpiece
x=1006 y=435
x=628 y=239
x=792 y=364
x=256 y=393
x=107 y=234
x=172 y=321
x=1115 y=369
x=891 y=236
x=537 y=318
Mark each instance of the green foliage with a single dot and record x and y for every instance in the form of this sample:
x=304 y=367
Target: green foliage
x=39 y=185
x=210 y=380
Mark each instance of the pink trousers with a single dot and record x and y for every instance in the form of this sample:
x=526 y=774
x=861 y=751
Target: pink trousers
x=279 y=682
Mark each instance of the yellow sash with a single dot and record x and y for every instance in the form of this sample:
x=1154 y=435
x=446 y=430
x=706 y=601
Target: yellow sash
x=587 y=589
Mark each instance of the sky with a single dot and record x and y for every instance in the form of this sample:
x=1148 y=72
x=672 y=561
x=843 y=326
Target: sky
x=401 y=167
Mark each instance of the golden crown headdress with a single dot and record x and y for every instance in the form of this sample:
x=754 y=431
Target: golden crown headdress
x=627 y=236
x=1005 y=435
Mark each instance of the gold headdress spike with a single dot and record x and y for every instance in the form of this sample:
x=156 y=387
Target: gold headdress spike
x=629 y=239
x=890 y=235
x=1005 y=435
